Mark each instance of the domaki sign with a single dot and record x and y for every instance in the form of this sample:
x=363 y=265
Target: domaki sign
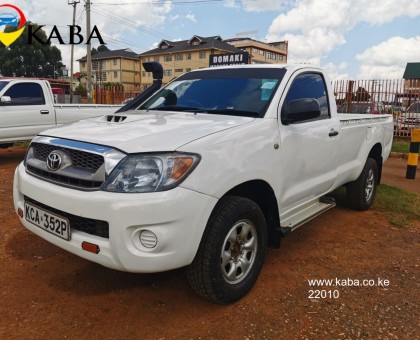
x=12 y=16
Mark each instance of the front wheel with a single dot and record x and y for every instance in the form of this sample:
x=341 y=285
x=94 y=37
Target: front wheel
x=362 y=191
x=232 y=251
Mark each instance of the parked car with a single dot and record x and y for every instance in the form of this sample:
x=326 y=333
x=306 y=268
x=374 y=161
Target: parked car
x=408 y=120
x=363 y=107
x=27 y=107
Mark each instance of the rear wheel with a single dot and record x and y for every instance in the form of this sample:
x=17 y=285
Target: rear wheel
x=362 y=191
x=232 y=251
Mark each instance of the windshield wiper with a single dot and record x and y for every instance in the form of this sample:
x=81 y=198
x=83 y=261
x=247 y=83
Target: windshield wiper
x=176 y=108
x=233 y=112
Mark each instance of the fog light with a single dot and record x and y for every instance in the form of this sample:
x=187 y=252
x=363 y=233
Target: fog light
x=148 y=239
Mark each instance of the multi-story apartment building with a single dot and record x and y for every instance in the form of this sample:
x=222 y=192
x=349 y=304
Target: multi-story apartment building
x=260 y=52
x=178 y=57
x=119 y=66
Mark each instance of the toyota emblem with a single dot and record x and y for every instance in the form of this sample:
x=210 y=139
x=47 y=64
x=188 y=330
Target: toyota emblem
x=53 y=161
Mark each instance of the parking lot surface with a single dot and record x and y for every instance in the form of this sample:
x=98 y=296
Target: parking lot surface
x=49 y=293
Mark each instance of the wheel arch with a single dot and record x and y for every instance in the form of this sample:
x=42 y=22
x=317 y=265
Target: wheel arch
x=263 y=195
x=376 y=154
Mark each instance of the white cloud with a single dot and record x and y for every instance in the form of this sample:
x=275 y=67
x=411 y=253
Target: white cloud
x=191 y=17
x=256 y=5
x=315 y=27
x=263 y=5
x=336 y=72
x=389 y=58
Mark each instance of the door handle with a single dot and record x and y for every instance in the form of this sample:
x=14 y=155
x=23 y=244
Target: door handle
x=44 y=112
x=333 y=133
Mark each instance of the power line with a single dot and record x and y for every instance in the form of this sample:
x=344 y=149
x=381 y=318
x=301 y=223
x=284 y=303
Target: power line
x=131 y=24
x=157 y=2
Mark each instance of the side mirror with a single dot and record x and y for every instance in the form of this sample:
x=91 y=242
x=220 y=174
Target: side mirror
x=6 y=100
x=300 y=110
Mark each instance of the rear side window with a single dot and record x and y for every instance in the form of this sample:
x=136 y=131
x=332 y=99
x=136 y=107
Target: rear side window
x=309 y=85
x=26 y=94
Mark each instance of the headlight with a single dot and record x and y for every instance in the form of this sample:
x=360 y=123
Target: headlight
x=151 y=172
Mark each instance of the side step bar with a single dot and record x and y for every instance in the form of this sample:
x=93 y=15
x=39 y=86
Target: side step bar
x=303 y=214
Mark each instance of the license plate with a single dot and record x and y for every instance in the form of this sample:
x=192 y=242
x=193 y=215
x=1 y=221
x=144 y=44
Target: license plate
x=47 y=221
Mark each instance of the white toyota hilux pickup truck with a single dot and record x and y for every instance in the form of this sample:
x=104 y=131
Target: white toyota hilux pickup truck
x=27 y=108
x=205 y=174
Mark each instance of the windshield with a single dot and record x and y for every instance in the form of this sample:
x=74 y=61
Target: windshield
x=240 y=92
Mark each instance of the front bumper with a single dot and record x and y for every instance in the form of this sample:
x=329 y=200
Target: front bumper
x=177 y=217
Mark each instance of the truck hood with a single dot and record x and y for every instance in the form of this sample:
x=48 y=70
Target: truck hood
x=152 y=131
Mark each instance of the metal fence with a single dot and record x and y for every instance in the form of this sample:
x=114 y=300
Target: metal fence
x=401 y=98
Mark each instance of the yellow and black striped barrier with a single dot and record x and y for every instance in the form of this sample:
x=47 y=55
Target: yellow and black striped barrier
x=413 y=156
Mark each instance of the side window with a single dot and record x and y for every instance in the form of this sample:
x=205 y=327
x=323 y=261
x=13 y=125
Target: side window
x=309 y=85
x=26 y=94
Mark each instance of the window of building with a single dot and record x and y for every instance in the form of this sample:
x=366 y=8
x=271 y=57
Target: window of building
x=115 y=74
x=115 y=62
x=168 y=58
x=179 y=70
x=156 y=59
x=167 y=73
x=103 y=65
x=280 y=56
x=179 y=56
x=309 y=85
x=143 y=74
x=203 y=55
x=271 y=55
x=260 y=52
x=188 y=56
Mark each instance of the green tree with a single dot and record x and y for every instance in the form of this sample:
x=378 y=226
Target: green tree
x=102 y=48
x=30 y=60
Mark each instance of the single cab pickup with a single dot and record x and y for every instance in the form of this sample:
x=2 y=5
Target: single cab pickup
x=27 y=108
x=205 y=174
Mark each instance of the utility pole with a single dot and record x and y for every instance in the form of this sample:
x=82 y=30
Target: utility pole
x=74 y=4
x=88 y=55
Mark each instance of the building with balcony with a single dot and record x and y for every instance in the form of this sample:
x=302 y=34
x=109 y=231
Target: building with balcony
x=178 y=57
x=261 y=52
x=118 y=66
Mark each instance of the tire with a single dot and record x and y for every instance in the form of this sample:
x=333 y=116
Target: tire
x=361 y=192
x=231 y=253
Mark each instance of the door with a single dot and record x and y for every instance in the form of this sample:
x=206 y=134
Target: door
x=26 y=114
x=309 y=148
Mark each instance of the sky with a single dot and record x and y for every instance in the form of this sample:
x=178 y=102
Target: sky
x=351 y=39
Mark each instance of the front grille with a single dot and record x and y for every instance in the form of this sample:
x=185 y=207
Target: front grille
x=80 y=159
x=67 y=181
x=86 y=225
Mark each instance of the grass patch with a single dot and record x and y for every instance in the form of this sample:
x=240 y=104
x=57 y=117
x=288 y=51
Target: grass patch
x=22 y=145
x=401 y=145
x=401 y=207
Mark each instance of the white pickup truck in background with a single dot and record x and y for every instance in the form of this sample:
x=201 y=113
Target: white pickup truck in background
x=205 y=173
x=27 y=108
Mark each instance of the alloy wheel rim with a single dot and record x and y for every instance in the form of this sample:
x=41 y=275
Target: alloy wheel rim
x=370 y=184
x=239 y=251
